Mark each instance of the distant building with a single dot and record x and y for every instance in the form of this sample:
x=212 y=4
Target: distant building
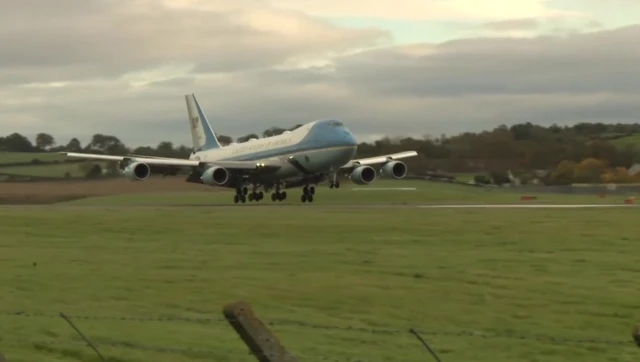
x=634 y=170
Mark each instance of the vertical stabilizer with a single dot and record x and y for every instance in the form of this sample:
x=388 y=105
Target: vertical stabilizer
x=201 y=132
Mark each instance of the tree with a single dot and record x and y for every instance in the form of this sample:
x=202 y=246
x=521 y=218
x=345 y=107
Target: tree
x=73 y=146
x=44 y=141
x=521 y=148
x=107 y=144
x=224 y=140
x=617 y=175
x=16 y=142
x=165 y=149
x=563 y=174
x=273 y=131
x=589 y=170
x=247 y=138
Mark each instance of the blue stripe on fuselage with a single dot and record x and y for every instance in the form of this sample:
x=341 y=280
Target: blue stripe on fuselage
x=321 y=135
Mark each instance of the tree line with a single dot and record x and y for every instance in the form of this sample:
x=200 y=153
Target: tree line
x=521 y=148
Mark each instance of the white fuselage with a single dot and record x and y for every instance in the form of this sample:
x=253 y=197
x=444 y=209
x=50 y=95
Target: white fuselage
x=316 y=146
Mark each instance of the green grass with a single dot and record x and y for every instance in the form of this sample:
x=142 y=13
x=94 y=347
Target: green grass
x=425 y=193
x=53 y=170
x=632 y=140
x=38 y=170
x=569 y=274
x=15 y=157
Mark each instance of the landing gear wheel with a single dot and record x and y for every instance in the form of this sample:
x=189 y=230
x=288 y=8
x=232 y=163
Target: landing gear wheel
x=303 y=198
x=260 y=195
x=274 y=197
x=245 y=190
x=243 y=199
x=312 y=190
x=236 y=199
x=283 y=195
x=251 y=196
x=337 y=184
x=310 y=198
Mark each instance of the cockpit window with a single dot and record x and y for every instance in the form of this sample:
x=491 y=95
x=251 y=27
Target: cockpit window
x=335 y=124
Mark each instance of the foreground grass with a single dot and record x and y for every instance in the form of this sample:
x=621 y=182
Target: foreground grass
x=382 y=192
x=529 y=272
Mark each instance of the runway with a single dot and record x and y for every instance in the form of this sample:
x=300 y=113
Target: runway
x=329 y=206
x=525 y=206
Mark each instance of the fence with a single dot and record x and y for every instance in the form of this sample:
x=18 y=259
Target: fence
x=264 y=345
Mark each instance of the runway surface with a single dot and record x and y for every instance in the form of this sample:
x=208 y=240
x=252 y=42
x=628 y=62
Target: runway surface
x=525 y=206
x=335 y=206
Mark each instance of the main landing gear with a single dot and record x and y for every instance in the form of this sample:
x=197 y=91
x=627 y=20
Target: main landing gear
x=243 y=193
x=334 y=182
x=278 y=195
x=307 y=194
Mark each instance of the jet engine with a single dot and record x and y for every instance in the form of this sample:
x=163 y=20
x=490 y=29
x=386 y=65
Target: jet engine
x=215 y=176
x=395 y=169
x=137 y=171
x=363 y=175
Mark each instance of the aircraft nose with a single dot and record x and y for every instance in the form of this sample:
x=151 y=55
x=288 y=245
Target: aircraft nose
x=349 y=139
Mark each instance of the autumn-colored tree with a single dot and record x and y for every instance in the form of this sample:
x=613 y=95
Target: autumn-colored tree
x=563 y=173
x=589 y=170
x=618 y=175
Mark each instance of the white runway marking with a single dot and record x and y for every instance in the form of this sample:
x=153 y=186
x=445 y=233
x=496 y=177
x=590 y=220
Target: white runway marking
x=525 y=206
x=384 y=189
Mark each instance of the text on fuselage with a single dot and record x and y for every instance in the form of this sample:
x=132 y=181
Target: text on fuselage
x=253 y=146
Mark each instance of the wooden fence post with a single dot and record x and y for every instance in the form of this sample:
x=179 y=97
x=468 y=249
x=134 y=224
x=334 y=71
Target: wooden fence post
x=264 y=345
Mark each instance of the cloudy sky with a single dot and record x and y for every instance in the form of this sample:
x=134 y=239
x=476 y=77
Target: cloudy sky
x=396 y=67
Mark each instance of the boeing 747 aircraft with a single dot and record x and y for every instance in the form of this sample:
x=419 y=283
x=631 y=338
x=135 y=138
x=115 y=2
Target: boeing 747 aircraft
x=303 y=157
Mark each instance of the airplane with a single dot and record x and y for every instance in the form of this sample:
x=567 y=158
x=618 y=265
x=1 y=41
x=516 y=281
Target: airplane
x=303 y=157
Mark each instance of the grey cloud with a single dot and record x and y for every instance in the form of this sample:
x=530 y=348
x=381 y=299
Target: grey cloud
x=514 y=24
x=73 y=39
x=464 y=85
x=594 y=62
x=593 y=24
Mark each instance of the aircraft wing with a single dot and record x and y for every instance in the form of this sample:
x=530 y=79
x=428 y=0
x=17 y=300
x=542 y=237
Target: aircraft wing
x=179 y=162
x=377 y=159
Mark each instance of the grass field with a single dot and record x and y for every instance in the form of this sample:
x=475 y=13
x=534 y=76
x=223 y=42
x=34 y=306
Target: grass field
x=56 y=170
x=631 y=140
x=564 y=274
x=15 y=157
x=53 y=170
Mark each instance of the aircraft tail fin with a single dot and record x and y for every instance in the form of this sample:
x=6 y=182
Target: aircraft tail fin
x=201 y=132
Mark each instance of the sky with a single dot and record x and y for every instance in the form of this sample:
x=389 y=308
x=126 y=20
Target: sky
x=74 y=68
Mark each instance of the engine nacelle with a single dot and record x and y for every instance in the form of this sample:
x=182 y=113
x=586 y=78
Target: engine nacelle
x=363 y=175
x=395 y=169
x=137 y=171
x=215 y=176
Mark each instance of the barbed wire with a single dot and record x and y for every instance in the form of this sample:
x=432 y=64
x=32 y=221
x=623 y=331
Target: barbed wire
x=157 y=349
x=550 y=339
